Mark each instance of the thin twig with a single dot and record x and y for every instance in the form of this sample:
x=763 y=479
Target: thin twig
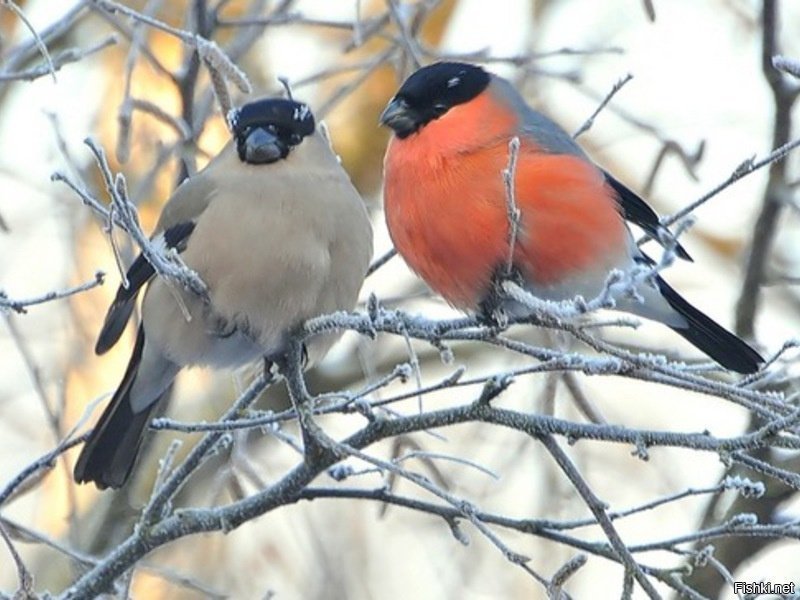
x=20 y=306
x=745 y=168
x=590 y=121
x=381 y=260
x=24 y=575
x=11 y=5
x=598 y=509
x=61 y=59
x=513 y=213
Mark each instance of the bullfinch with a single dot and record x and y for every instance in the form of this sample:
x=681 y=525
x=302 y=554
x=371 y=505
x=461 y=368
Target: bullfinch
x=276 y=231
x=447 y=210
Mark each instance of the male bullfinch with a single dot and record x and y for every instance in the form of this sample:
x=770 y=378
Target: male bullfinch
x=446 y=206
x=278 y=234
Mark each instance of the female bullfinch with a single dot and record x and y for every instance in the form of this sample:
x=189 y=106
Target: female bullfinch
x=278 y=234
x=446 y=206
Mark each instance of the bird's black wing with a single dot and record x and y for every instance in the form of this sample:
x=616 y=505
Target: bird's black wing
x=637 y=211
x=709 y=336
x=110 y=451
x=704 y=333
x=139 y=273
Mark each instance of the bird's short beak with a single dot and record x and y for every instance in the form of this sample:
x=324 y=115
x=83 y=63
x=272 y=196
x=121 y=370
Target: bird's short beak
x=400 y=117
x=263 y=147
x=395 y=113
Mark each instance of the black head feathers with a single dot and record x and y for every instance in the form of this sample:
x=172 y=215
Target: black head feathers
x=430 y=92
x=266 y=130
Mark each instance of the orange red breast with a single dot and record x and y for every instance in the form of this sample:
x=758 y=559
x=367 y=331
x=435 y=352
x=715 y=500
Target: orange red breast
x=446 y=206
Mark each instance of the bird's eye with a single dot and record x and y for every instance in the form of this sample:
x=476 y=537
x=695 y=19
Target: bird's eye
x=439 y=109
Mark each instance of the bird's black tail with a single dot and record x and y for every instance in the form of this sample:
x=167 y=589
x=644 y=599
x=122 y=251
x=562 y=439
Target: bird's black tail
x=110 y=452
x=710 y=337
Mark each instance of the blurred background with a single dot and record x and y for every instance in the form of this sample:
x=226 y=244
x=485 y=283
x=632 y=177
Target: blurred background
x=697 y=107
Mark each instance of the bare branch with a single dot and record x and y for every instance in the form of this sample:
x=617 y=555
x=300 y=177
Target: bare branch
x=745 y=168
x=53 y=65
x=123 y=213
x=773 y=204
x=24 y=576
x=513 y=214
x=20 y=306
x=11 y=5
x=381 y=260
x=788 y=65
x=590 y=121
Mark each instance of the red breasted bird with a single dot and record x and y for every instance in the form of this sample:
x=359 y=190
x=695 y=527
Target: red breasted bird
x=276 y=231
x=446 y=206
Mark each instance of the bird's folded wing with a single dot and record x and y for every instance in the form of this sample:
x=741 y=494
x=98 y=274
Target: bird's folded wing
x=174 y=228
x=638 y=212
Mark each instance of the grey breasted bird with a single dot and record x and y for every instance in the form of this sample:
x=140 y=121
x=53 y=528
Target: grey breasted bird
x=277 y=232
